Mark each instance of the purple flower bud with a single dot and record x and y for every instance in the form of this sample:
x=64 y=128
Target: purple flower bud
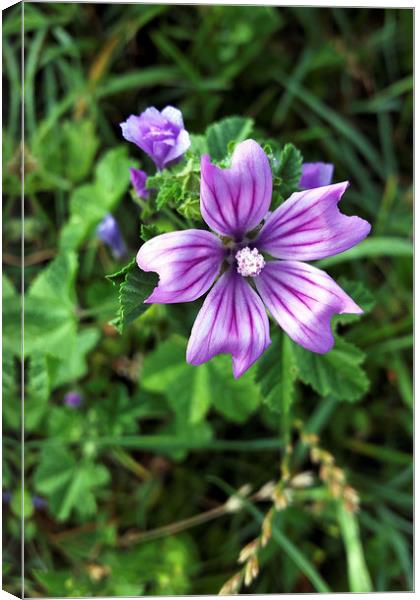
x=109 y=232
x=160 y=134
x=6 y=496
x=315 y=175
x=73 y=399
x=39 y=503
x=138 y=180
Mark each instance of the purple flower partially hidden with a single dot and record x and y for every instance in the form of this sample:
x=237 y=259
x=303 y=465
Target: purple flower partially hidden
x=315 y=175
x=160 y=134
x=39 y=503
x=109 y=232
x=255 y=270
x=6 y=496
x=73 y=399
x=138 y=180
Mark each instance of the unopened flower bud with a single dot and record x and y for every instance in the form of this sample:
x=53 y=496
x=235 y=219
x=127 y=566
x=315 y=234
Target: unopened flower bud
x=247 y=551
x=251 y=570
x=231 y=586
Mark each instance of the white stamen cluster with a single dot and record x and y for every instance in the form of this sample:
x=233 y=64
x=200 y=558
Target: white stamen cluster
x=250 y=262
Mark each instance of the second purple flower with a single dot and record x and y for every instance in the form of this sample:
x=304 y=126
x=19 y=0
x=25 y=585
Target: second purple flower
x=160 y=134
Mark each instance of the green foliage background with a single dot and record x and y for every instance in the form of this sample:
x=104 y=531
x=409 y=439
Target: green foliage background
x=135 y=480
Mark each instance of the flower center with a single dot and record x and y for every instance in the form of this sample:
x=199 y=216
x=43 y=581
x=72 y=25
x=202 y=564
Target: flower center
x=250 y=262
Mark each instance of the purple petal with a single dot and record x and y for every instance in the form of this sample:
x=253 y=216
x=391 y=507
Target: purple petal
x=309 y=226
x=232 y=320
x=182 y=144
x=303 y=299
x=138 y=180
x=174 y=115
x=160 y=134
x=108 y=231
x=315 y=175
x=187 y=262
x=235 y=200
x=73 y=399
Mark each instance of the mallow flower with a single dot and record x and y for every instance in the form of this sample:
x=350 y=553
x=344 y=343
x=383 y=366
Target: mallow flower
x=254 y=267
x=109 y=232
x=315 y=175
x=73 y=399
x=138 y=180
x=160 y=134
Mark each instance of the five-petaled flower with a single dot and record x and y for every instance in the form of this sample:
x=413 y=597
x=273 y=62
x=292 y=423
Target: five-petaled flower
x=254 y=266
x=160 y=134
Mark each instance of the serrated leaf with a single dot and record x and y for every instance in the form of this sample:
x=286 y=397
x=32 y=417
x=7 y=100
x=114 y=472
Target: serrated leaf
x=68 y=484
x=277 y=373
x=231 y=129
x=192 y=390
x=89 y=203
x=338 y=373
x=133 y=290
x=198 y=145
x=288 y=172
x=147 y=232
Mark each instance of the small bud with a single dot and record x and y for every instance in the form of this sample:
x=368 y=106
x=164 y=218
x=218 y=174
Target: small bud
x=73 y=399
x=281 y=498
x=338 y=474
x=235 y=503
x=351 y=499
x=231 y=586
x=309 y=438
x=267 y=528
x=335 y=488
x=266 y=492
x=247 y=551
x=39 y=503
x=109 y=232
x=302 y=480
x=251 y=570
x=315 y=455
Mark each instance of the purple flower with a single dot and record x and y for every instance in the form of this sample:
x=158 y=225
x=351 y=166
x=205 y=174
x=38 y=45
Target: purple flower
x=6 y=496
x=138 y=180
x=315 y=175
x=109 y=232
x=160 y=134
x=73 y=399
x=39 y=503
x=255 y=269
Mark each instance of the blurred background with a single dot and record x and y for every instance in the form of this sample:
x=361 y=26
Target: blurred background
x=106 y=517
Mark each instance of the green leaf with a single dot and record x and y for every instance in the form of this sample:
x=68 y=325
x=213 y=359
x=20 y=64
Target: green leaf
x=133 y=290
x=192 y=390
x=229 y=130
x=68 y=484
x=289 y=170
x=17 y=504
x=89 y=203
x=277 y=372
x=52 y=331
x=37 y=391
x=147 y=232
x=338 y=373
x=63 y=158
x=358 y=574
